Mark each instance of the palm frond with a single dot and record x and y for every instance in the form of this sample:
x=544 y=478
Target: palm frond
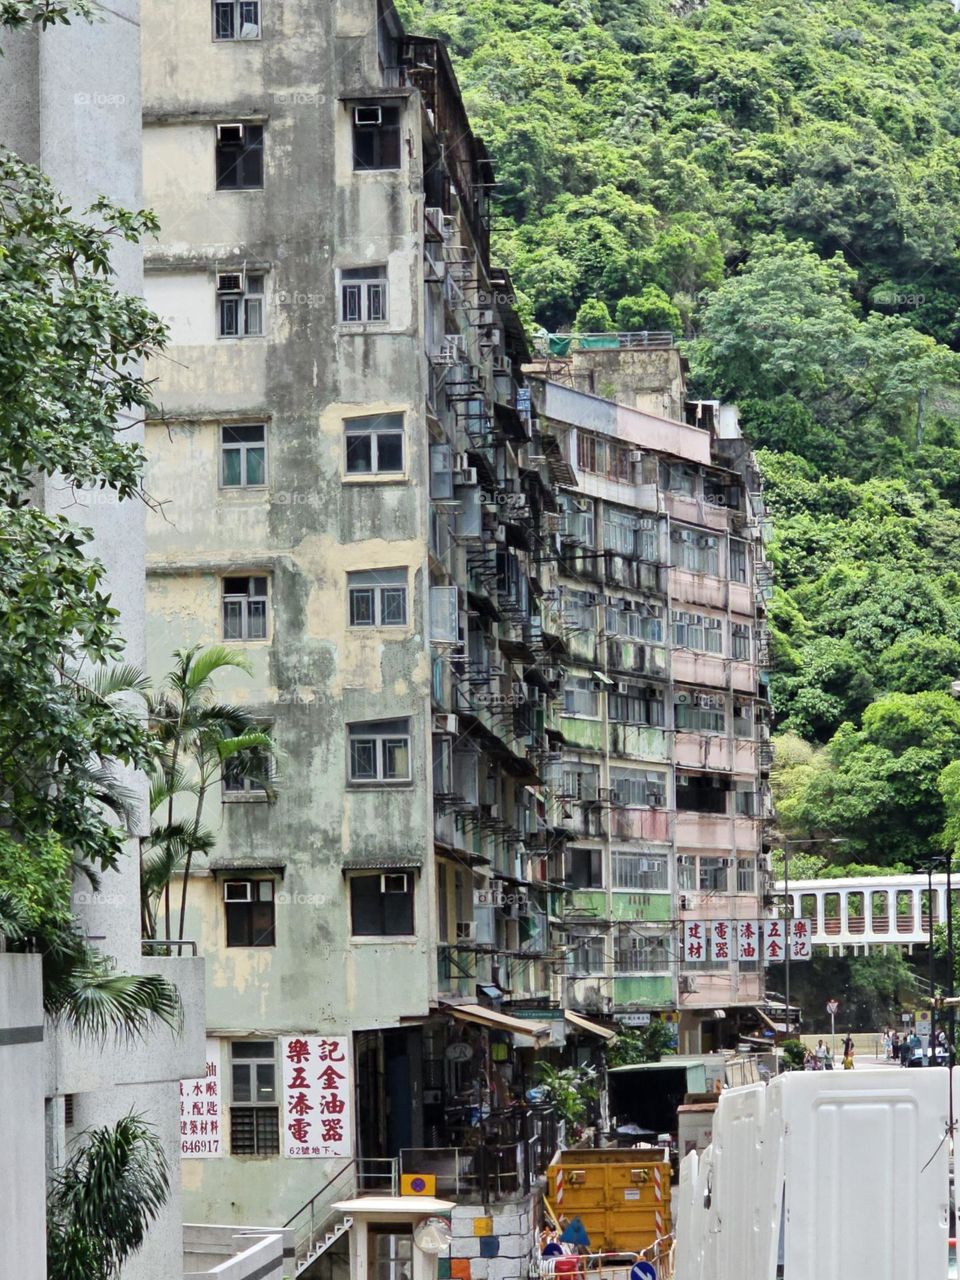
x=164 y=787
x=14 y=918
x=107 y=682
x=249 y=741
x=207 y=662
x=94 y=1001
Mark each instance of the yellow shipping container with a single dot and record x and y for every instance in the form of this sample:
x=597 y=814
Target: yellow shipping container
x=616 y=1194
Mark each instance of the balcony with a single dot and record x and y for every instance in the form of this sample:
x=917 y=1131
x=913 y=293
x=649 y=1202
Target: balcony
x=696 y=830
x=499 y=1158
x=687 y=587
x=640 y=824
x=715 y=751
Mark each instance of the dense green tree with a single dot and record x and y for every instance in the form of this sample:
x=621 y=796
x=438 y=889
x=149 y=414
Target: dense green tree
x=593 y=317
x=650 y=309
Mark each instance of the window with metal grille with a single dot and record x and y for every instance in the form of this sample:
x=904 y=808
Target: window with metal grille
x=635 y=953
x=240 y=305
x=694 y=550
x=741 y=638
x=377 y=598
x=638 y=788
x=379 y=751
x=580 y=697
x=254 y=1109
x=696 y=631
x=363 y=295
x=633 y=870
x=248 y=773
x=738 y=560
x=236 y=19
x=747 y=875
x=639 y=704
x=245 y=608
x=586 y=957
x=239 y=157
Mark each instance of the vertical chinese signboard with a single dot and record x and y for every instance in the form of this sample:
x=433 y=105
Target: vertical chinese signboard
x=748 y=940
x=694 y=941
x=774 y=940
x=316 y=1114
x=800 y=946
x=200 y=1128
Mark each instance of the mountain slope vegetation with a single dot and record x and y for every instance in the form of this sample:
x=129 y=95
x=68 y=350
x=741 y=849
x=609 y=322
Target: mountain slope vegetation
x=780 y=181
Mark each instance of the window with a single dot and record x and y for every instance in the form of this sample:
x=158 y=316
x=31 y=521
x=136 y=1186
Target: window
x=742 y=720
x=580 y=697
x=636 y=619
x=638 y=788
x=381 y=906
x=363 y=295
x=578 y=611
x=249 y=909
x=378 y=598
x=699 y=713
x=239 y=157
x=634 y=953
x=636 y=704
x=738 y=560
x=254 y=1113
x=374 y=444
x=686 y=872
x=696 y=551
x=587 y=957
x=676 y=478
x=741 y=641
x=245 y=608
x=632 y=870
x=380 y=751
x=713 y=875
x=747 y=875
x=579 y=520
x=239 y=305
x=581 y=783
x=745 y=800
x=243 y=457
x=584 y=868
x=590 y=452
x=696 y=631
x=702 y=792
x=376 y=137
x=627 y=534
x=248 y=773
x=236 y=19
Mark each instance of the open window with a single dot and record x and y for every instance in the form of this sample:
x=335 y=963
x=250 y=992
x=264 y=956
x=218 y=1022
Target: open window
x=239 y=157
x=376 y=136
x=381 y=905
x=236 y=19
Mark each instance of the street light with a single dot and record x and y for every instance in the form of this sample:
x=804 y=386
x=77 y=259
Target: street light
x=788 y=907
x=934 y=862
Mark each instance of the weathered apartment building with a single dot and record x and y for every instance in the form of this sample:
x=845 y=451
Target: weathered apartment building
x=665 y=720
x=366 y=495
x=351 y=498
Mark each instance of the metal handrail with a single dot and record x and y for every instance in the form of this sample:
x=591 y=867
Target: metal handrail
x=147 y=944
x=357 y=1162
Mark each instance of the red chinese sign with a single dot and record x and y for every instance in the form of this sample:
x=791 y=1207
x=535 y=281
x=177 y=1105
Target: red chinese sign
x=796 y=934
x=748 y=940
x=200 y=1122
x=694 y=941
x=316 y=1115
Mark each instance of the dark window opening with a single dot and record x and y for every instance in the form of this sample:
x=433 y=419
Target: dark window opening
x=381 y=905
x=239 y=157
x=376 y=137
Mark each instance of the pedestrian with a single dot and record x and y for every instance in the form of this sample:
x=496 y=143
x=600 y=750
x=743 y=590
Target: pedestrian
x=895 y=1046
x=820 y=1053
x=848 y=1046
x=886 y=1043
x=905 y=1051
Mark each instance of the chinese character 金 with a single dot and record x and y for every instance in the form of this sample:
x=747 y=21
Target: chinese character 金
x=329 y=1078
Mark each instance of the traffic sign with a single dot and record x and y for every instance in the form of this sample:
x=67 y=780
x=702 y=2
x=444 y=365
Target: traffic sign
x=832 y=1007
x=643 y=1271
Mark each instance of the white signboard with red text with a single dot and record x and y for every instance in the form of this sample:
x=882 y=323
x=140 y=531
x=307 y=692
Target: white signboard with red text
x=317 y=1113
x=200 y=1116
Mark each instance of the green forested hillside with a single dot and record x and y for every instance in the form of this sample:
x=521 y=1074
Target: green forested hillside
x=781 y=183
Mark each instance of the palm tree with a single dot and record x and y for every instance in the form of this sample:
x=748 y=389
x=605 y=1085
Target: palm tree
x=103 y=1200
x=196 y=737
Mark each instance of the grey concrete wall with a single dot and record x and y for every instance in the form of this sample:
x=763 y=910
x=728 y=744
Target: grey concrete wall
x=22 y=1166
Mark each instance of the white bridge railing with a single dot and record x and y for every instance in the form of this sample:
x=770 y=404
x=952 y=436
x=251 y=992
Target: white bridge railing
x=871 y=911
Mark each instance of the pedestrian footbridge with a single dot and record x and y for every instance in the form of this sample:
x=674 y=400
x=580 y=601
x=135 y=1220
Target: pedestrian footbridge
x=856 y=914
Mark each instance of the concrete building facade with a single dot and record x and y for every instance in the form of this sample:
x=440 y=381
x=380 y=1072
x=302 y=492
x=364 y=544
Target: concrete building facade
x=70 y=104
x=665 y=724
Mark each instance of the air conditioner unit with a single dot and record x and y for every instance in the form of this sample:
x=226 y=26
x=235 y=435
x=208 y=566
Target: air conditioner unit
x=449 y=225
x=636 y=455
x=687 y=985
x=435 y=215
x=466 y=930
x=500 y=534
x=485 y=318
x=394 y=882
x=445 y=724
x=647 y=523
x=230 y=132
x=230 y=282
x=683 y=698
x=237 y=891
x=683 y=779
x=622 y=686
x=368 y=117
x=461 y=461
x=468 y=476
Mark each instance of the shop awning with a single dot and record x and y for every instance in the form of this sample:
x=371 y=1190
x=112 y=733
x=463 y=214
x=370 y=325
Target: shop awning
x=499 y=1021
x=584 y=1024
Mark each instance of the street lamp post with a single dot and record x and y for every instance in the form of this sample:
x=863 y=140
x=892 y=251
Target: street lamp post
x=932 y=1060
